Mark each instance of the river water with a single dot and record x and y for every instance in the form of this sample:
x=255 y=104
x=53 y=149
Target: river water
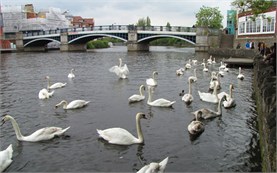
x=229 y=143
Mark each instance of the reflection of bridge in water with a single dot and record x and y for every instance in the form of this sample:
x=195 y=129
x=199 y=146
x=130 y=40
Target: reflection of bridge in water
x=75 y=39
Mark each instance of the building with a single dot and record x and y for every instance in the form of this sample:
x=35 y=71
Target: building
x=231 y=21
x=79 y=22
x=260 y=29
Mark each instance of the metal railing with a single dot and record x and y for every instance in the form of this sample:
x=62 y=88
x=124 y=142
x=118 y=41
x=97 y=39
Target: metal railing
x=110 y=28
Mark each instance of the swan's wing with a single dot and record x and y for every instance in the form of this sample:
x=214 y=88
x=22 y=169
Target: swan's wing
x=76 y=104
x=135 y=98
x=45 y=134
x=117 y=136
x=125 y=69
x=57 y=85
x=151 y=82
x=163 y=102
x=6 y=158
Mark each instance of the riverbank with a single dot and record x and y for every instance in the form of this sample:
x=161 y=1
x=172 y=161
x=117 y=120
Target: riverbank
x=264 y=84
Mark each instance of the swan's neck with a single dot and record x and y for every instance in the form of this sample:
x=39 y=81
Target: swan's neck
x=215 y=88
x=219 y=108
x=153 y=76
x=120 y=62
x=194 y=72
x=149 y=96
x=230 y=92
x=48 y=83
x=16 y=129
x=190 y=87
x=139 y=131
x=65 y=104
x=140 y=91
x=239 y=70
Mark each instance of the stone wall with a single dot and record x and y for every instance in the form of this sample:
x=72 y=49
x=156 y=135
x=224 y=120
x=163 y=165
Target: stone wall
x=229 y=52
x=264 y=84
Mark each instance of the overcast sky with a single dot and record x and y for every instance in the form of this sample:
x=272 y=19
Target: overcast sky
x=124 y=12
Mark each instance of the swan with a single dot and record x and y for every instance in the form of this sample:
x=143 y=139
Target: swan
x=180 y=71
x=194 y=61
x=75 y=104
x=240 y=75
x=71 y=74
x=42 y=134
x=205 y=69
x=152 y=81
x=44 y=94
x=193 y=78
x=209 y=61
x=222 y=66
x=121 y=136
x=213 y=75
x=226 y=69
x=121 y=71
x=159 y=102
x=208 y=97
x=214 y=61
x=137 y=97
x=154 y=167
x=203 y=63
x=220 y=72
x=230 y=101
x=215 y=82
x=196 y=127
x=188 y=98
x=55 y=85
x=188 y=65
x=208 y=113
x=6 y=158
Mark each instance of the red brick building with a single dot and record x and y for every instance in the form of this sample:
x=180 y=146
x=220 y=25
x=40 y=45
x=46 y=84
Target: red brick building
x=79 y=22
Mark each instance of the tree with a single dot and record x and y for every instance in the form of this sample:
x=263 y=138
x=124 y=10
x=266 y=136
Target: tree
x=209 y=17
x=257 y=7
x=144 y=22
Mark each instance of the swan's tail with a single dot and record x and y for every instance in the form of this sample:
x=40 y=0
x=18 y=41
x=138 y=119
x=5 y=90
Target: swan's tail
x=64 y=130
x=87 y=102
x=162 y=164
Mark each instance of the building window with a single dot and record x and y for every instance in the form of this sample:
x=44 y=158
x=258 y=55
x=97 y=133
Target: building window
x=242 y=27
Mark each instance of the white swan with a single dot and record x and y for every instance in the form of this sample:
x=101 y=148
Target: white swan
x=121 y=71
x=215 y=83
x=208 y=97
x=159 y=102
x=220 y=72
x=203 y=61
x=188 y=98
x=180 y=71
x=240 y=75
x=55 y=85
x=209 y=61
x=214 y=61
x=71 y=74
x=222 y=66
x=44 y=94
x=193 y=78
x=230 y=101
x=205 y=69
x=152 y=81
x=154 y=167
x=196 y=127
x=226 y=69
x=208 y=113
x=75 y=104
x=46 y=133
x=194 y=61
x=121 y=136
x=188 y=65
x=6 y=158
x=137 y=97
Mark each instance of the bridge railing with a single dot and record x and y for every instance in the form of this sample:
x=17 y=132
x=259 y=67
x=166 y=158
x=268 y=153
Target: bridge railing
x=110 y=28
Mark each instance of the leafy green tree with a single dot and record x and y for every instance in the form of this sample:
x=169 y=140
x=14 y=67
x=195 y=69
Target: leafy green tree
x=257 y=7
x=209 y=17
x=144 y=22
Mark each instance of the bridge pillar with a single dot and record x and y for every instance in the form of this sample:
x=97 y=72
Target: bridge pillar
x=19 y=42
x=65 y=47
x=201 y=40
x=133 y=45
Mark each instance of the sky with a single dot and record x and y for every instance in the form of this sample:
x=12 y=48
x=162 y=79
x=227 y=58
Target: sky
x=125 y=12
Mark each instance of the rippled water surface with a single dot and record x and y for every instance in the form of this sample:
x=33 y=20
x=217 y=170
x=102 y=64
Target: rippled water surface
x=229 y=143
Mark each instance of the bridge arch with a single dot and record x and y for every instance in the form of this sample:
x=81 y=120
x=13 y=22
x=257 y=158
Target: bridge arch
x=86 y=38
x=41 y=42
x=154 y=37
